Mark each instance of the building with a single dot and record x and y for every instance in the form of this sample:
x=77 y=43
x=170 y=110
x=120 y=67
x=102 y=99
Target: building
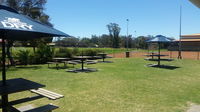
x=188 y=42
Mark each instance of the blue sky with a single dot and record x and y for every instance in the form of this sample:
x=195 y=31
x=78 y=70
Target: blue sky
x=84 y=18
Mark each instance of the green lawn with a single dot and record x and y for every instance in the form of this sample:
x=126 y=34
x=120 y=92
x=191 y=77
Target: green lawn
x=126 y=85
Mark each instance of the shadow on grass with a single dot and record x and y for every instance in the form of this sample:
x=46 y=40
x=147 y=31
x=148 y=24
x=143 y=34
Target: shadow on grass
x=35 y=67
x=169 y=67
x=57 y=68
x=105 y=61
x=86 y=70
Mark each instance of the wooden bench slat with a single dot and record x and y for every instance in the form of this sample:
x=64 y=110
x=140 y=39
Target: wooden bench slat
x=43 y=94
x=45 y=108
x=46 y=93
x=51 y=92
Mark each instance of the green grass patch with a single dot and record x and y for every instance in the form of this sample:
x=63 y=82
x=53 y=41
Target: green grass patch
x=126 y=85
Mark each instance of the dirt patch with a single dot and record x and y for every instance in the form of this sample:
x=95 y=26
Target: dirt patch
x=172 y=54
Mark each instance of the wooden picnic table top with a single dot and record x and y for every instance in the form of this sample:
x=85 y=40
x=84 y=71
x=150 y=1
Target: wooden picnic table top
x=82 y=57
x=18 y=85
x=61 y=58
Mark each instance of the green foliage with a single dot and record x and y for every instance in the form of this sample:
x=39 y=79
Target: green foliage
x=91 y=52
x=141 y=42
x=44 y=53
x=114 y=31
x=64 y=52
x=75 y=51
x=68 y=42
x=23 y=56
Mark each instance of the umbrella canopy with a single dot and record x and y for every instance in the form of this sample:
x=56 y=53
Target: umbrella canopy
x=159 y=39
x=19 y=27
x=196 y=2
x=14 y=26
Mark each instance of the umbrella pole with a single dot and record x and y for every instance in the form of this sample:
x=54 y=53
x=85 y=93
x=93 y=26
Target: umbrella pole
x=3 y=61
x=159 y=54
x=4 y=97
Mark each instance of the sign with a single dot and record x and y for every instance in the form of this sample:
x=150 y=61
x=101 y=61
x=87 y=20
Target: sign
x=16 y=24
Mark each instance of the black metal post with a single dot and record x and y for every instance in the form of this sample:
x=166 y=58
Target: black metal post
x=180 y=44
x=4 y=97
x=82 y=64
x=159 y=54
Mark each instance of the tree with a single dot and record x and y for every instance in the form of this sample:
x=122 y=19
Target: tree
x=85 y=42
x=95 y=40
x=68 y=42
x=114 y=31
x=141 y=42
x=123 y=42
x=105 y=41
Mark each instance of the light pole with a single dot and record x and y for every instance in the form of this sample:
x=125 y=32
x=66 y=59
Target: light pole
x=179 y=49
x=127 y=52
x=127 y=20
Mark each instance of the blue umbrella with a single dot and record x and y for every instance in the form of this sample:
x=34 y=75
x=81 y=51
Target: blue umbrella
x=159 y=39
x=20 y=27
x=15 y=26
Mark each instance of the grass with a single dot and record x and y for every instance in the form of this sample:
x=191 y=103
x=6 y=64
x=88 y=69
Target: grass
x=126 y=85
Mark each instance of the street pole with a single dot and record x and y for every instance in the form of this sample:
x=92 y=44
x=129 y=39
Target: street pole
x=180 y=46
x=127 y=34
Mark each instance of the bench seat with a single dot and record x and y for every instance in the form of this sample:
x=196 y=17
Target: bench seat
x=46 y=93
x=88 y=62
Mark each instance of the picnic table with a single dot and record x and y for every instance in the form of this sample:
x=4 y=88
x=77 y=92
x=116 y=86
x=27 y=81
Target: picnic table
x=19 y=85
x=104 y=56
x=157 y=59
x=60 y=59
x=82 y=60
x=57 y=61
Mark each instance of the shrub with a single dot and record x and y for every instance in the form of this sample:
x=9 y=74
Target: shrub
x=23 y=56
x=91 y=52
x=64 y=52
x=75 y=51
x=43 y=54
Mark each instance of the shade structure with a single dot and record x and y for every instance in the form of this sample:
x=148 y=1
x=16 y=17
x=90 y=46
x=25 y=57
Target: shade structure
x=15 y=26
x=159 y=39
x=196 y=2
x=20 y=27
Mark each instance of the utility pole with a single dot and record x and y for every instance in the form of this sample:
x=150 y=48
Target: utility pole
x=127 y=34
x=127 y=52
x=180 y=46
